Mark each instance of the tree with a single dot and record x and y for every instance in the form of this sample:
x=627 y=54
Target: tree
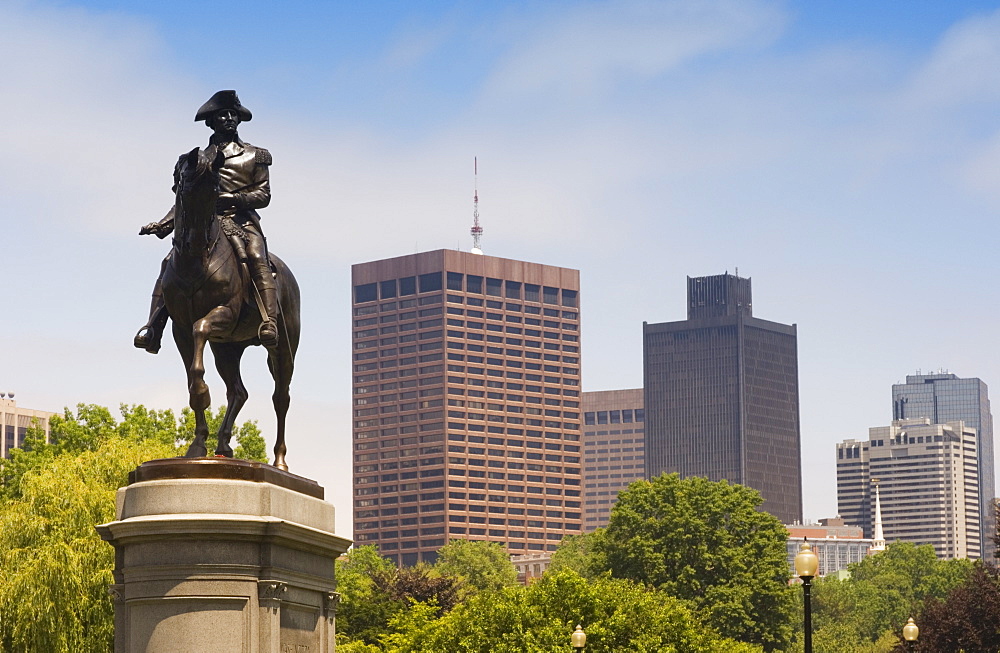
x=480 y=565
x=708 y=544
x=870 y=607
x=967 y=618
x=374 y=592
x=582 y=554
x=364 y=611
x=618 y=615
x=54 y=568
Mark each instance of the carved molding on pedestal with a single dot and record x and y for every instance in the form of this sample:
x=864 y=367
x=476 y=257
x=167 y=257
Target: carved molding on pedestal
x=117 y=593
x=271 y=590
x=331 y=601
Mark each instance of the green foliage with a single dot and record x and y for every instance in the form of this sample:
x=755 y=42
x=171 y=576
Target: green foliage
x=480 y=565
x=363 y=612
x=967 y=619
x=864 y=612
x=250 y=444
x=54 y=569
x=706 y=543
x=375 y=593
x=618 y=615
x=86 y=430
x=582 y=553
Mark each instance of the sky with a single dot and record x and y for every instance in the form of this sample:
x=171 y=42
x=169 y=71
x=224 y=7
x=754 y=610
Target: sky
x=843 y=155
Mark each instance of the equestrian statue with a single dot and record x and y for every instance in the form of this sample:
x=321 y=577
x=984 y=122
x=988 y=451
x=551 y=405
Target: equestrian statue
x=219 y=284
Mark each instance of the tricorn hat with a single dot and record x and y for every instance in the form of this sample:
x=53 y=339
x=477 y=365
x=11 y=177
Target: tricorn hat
x=223 y=100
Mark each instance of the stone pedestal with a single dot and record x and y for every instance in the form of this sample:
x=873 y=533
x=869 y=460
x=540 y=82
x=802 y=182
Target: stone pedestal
x=222 y=556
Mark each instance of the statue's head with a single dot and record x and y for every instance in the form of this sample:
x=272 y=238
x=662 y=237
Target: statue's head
x=223 y=111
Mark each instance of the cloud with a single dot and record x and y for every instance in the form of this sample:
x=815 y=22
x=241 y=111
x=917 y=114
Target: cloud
x=87 y=98
x=964 y=66
x=591 y=45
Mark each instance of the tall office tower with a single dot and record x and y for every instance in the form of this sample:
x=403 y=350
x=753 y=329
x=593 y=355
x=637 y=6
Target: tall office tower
x=942 y=398
x=466 y=403
x=722 y=395
x=928 y=481
x=613 y=443
x=15 y=422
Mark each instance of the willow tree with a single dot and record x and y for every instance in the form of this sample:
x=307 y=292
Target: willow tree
x=54 y=568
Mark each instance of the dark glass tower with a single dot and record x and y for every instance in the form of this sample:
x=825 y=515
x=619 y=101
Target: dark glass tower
x=722 y=395
x=943 y=398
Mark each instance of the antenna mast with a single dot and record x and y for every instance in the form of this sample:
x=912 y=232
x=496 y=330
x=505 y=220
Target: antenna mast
x=476 y=231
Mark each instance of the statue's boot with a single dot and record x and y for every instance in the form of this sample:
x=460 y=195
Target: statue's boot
x=151 y=334
x=268 y=331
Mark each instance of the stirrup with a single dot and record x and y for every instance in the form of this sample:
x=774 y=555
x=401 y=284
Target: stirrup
x=269 y=341
x=147 y=338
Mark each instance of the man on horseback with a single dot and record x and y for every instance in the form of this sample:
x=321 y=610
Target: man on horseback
x=244 y=186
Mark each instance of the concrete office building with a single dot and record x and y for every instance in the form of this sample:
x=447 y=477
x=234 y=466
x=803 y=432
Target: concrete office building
x=942 y=398
x=613 y=444
x=836 y=544
x=466 y=403
x=722 y=395
x=928 y=479
x=15 y=422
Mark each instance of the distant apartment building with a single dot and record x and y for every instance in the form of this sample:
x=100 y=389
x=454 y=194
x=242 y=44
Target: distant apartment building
x=928 y=478
x=531 y=566
x=942 y=397
x=836 y=544
x=467 y=416
x=613 y=445
x=15 y=422
x=722 y=395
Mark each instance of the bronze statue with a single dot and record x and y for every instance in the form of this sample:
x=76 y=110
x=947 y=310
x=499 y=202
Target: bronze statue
x=222 y=290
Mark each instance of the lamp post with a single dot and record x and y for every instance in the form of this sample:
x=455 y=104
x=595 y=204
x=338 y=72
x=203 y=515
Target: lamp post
x=578 y=639
x=806 y=565
x=910 y=634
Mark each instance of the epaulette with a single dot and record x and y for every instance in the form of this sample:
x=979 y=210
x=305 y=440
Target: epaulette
x=262 y=156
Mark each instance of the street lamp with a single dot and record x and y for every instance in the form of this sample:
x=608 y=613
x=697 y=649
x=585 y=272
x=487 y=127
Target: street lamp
x=578 y=638
x=910 y=634
x=806 y=565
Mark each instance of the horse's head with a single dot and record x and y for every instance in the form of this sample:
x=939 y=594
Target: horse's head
x=196 y=179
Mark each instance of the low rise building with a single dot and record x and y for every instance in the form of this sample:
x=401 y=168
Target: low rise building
x=15 y=422
x=834 y=542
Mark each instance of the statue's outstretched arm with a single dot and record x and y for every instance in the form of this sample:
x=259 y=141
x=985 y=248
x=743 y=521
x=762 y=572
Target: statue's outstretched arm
x=160 y=229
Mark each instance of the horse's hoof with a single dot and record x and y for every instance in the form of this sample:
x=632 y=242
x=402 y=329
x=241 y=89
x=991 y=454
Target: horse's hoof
x=280 y=464
x=200 y=451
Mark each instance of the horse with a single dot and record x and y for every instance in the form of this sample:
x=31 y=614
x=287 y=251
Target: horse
x=207 y=291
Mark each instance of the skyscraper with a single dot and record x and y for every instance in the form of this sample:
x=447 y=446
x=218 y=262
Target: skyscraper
x=466 y=403
x=722 y=395
x=613 y=442
x=927 y=479
x=944 y=397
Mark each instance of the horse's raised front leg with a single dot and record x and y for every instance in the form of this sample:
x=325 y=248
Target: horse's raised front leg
x=227 y=362
x=185 y=345
x=215 y=322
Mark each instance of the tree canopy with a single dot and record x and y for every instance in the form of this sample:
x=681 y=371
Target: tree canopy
x=707 y=544
x=967 y=618
x=54 y=568
x=865 y=612
x=479 y=565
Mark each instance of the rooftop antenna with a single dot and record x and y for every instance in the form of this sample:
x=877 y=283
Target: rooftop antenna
x=476 y=231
